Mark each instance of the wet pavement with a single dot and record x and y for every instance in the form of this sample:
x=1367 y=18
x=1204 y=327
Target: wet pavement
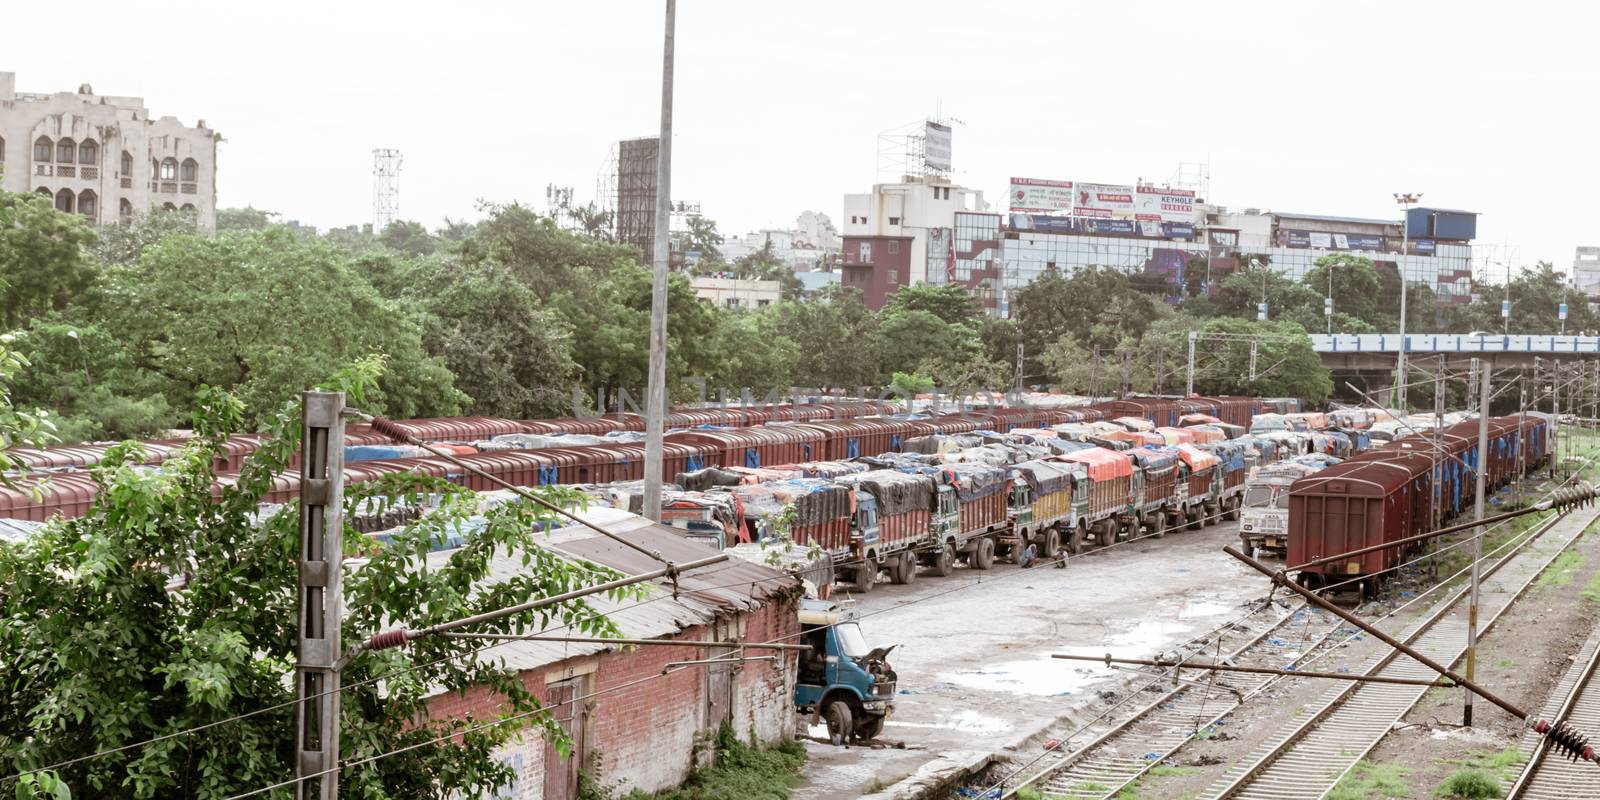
x=974 y=664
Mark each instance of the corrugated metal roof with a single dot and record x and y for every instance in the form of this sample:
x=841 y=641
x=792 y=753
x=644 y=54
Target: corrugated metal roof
x=1327 y=218
x=733 y=585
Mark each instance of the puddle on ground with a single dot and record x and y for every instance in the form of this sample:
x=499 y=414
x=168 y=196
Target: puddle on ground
x=965 y=720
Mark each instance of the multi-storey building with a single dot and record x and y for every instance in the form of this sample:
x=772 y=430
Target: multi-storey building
x=896 y=222
x=105 y=157
x=995 y=255
x=1586 y=271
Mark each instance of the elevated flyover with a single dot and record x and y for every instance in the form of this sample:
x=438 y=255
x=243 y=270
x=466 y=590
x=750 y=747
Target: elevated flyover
x=1378 y=351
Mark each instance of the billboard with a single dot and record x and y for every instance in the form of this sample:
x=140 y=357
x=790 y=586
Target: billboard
x=1164 y=205
x=936 y=146
x=1103 y=201
x=1032 y=194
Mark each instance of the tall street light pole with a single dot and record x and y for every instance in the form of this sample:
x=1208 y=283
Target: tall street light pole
x=1405 y=200
x=656 y=395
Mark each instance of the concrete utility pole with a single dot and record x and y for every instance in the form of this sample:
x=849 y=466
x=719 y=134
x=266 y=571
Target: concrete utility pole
x=656 y=396
x=1555 y=416
x=1484 y=368
x=1188 y=386
x=1522 y=447
x=321 y=605
x=1405 y=201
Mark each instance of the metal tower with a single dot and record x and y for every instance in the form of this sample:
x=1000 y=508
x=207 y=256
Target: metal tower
x=385 y=187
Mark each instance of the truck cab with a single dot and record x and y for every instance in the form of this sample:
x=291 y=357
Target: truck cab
x=843 y=682
x=1264 y=520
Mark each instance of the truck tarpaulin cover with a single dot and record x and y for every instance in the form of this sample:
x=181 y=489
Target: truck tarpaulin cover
x=1229 y=453
x=1196 y=458
x=1197 y=419
x=1073 y=447
x=815 y=501
x=1076 y=431
x=974 y=481
x=703 y=479
x=896 y=492
x=1103 y=464
x=1176 y=435
x=1135 y=423
x=1048 y=477
x=1154 y=459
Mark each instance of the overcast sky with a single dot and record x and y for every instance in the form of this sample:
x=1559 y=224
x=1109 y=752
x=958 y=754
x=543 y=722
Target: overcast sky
x=1307 y=107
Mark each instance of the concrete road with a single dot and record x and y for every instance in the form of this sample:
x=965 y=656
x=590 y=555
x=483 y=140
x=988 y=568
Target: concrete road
x=974 y=656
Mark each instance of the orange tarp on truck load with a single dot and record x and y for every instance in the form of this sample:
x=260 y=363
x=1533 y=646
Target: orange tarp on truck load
x=1103 y=464
x=1197 y=459
x=1176 y=435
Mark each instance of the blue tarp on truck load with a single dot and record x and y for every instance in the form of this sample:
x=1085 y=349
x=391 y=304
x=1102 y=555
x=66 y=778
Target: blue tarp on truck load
x=369 y=452
x=1048 y=477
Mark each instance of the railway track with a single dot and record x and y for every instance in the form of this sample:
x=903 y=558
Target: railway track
x=1121 y=754
x=1576 y=700
x=1309 y=758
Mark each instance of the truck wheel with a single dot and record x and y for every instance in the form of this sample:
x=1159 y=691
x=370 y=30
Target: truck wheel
x=1193 y=515
x=1233 y=509
x=1157 y=523
x=944 y=563
x=869 y=728
x=1212 y=512
x=983 y=556
x=906 y=570
x=841 y=723
x=865 y=576
x=1075 y=539
x=1050 y=542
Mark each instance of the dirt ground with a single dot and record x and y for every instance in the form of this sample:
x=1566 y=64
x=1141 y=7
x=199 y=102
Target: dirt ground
x=974 y=663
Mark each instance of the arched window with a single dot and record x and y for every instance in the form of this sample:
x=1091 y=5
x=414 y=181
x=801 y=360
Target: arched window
x=42 y=148
x=66 y=149
x=124 y=210
x=191 y=170
x=168 y=207
x=127 y=164
x=188 y=208
x=64 y=201
x=169 y=169
x=89 y=205
x=88 y=152
x=44 y=190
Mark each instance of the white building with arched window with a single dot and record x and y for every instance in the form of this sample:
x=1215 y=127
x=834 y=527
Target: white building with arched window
x=105 y=157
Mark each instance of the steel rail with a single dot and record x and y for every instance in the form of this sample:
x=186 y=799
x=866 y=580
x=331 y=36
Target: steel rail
x=1253 y=774
x=1576 y=700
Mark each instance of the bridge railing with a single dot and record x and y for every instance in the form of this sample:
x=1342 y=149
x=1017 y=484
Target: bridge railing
x=1453 y=343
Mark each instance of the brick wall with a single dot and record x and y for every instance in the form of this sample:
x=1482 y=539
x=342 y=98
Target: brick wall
x=646 y=736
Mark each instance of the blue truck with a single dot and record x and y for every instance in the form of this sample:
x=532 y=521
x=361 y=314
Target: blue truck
x=843 y=682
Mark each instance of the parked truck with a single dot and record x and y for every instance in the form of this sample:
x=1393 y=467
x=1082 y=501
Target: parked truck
x=1048 y=499
x=1111 y=489
x=891 y=521
x=843 y=682
x=1264 y=520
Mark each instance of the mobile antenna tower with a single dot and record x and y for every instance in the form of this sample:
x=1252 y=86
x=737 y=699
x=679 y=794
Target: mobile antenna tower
x=385 y=187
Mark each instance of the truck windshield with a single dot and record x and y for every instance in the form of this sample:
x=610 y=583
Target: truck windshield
x=851 y=641
x=1258 y=496
x=1282 y=500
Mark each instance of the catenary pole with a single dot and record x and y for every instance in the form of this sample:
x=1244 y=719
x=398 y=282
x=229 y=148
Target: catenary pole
x=656 y=395
x=1484 y=369
x=1188 y=386
x=321 y=607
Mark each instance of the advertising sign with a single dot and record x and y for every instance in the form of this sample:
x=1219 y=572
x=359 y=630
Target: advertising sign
x=936 y=146
x=1177 y=230
x=1100 y=225
x=1296 y=239
x=1322 y=241
x=1103 y=201
x=1032 y=194
x=1424 y=247
x=1164 y=205
x=1356 y=241
x=1042 y=223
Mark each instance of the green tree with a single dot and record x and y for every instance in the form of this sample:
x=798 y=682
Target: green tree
x=836 y=335
x=172 y=604
x=1239 y=293
x=44 y=261
x=701 y=236
x=122 y=245
x=753 y=353
x=262 y=313
x=1356 y=289
x=1286 y=365
x=408 y=237
x=952 y=304
x=86 y=376
x=541 y=255
x=512 y=356
x=244 y=219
